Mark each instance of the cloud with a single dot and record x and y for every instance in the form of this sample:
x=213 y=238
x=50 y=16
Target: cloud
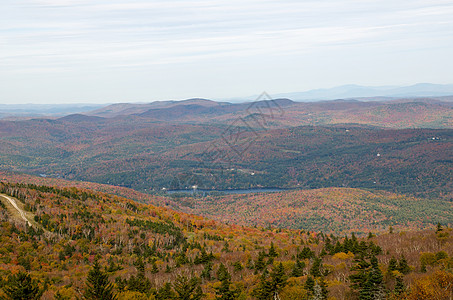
x=51 y=36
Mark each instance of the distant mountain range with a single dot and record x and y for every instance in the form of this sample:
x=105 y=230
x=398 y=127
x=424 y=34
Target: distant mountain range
x=178 y=108
x=358 y=91
x=38 y=110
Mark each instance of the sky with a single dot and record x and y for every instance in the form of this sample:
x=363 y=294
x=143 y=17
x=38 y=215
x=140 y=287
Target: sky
x=105 y=51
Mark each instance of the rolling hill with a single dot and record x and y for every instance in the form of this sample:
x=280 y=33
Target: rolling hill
x=222 y=152
x=153 y=252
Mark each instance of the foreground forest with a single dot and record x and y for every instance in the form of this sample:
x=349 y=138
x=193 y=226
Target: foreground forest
x=81 y=239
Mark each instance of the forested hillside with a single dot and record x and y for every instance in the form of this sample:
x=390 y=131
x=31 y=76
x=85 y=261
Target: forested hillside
x=151 y=156
x=79 y=236
x=332 y=210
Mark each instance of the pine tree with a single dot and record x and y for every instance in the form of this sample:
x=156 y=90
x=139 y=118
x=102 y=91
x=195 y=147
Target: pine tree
x=263 y=291
x=438 y=227
x=360 y=275
x=139 y=282
x=223 y=292
x=260 y=264
x=323 y=285
x=187 y=289
x=309 y=284
x=168 y=269
x=399 y=286
x=272 y=251
x=403 y=266
x=298 y=269
x=98 y=285
x=423 y=268
x=155 y=269
x=315 y=270
x=392 y=265
x=206 y=273
x=222 y=273
x=373 y=287
x=278 y=278
x=22 y=287
x=165 y=292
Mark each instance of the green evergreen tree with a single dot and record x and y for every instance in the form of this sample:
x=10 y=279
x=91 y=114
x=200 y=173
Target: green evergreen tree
x=165 y=292
x=98 y=285
x=403 y=266
x=155 y=269
x=438 y=227
x=206 y=273
x=187 y=289
x=22 y=287
x=317 y=293
x=222 y=272
x=226 y=247
x=224 y=292
x=298 y=269
x=320 y=290
x=139 y=283
x=360 y=275
x=263 y=291
x=373 y=286
x=423 y=268
x=278 y=278
x=315 y=270
x=260 y=263
x=272 y=251
x=309 y=284
x=399 y=286
x=168 y=269
x=393 y=265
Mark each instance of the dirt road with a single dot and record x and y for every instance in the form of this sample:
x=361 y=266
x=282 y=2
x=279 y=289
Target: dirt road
x=14 y=204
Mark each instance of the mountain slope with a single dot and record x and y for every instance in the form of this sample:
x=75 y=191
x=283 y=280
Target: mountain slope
x=331 y=210
x=143 y=247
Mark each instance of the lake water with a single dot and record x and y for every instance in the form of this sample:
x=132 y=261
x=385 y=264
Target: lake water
x=239 y=191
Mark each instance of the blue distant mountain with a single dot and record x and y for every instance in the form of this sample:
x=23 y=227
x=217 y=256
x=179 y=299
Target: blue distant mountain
x=357 y=91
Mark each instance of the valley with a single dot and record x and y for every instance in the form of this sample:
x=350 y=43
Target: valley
x=204 y=200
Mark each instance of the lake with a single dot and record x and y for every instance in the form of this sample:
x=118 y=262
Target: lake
x=238 y=191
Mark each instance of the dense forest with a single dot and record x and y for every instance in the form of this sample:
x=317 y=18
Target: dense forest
x=85 y=211
x=90 y=244
x=331 y=210
x=149 y=156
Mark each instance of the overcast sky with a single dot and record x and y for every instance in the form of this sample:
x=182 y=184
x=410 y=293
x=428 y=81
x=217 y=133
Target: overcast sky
x=61 y=51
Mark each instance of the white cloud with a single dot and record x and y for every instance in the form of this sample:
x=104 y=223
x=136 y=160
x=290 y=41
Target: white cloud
x=53 y=36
